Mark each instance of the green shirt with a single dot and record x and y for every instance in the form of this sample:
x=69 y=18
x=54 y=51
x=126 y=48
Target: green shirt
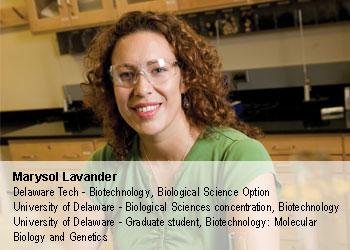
x=224 y=145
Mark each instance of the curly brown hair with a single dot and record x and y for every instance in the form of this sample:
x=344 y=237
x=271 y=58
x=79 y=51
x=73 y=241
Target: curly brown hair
x=200 y=69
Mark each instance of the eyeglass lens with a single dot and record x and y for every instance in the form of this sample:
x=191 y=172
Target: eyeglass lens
x=156 y=72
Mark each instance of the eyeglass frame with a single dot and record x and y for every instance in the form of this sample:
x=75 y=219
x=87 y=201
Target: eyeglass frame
x=138 y=72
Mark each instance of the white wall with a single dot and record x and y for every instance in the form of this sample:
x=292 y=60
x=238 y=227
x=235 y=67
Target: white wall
x=327 y=43
x=33 y=72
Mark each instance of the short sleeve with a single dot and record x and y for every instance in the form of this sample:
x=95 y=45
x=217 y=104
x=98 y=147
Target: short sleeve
x=246 y=160
x=247 y=150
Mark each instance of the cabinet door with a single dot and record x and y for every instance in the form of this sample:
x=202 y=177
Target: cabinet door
x=47 y=15
x=13 y=16
x=29 y=150
x=71 y=150
x=347 y=144
x=90 y=12
x=194 y=5
x=292 y=144
x=146 y=5
x=51 y=150
x=275 y=157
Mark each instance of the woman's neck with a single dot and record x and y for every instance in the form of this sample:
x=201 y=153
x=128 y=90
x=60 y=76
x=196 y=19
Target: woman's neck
x=169 y=146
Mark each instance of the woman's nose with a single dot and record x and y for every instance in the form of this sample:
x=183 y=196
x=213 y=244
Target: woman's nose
x=142 y=86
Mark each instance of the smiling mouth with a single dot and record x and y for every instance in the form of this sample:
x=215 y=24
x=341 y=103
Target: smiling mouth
x=147 y=108
x=147 y=111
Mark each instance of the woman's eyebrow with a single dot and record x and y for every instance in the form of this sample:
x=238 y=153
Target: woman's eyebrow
x=126 y=65
x=152 y=61
x=159 y=60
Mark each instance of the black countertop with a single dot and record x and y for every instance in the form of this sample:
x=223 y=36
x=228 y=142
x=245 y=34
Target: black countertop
x=300 y=127
x=56 y=129
x=48 y=130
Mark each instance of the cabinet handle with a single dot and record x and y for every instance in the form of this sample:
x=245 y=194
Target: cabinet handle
x=75 y=156
x=28 y=157
x=18 y=13
x=287 y=148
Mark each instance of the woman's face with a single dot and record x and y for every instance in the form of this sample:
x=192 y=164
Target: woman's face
x=151 y=105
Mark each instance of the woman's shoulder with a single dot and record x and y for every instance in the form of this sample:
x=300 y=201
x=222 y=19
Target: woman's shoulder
x=237 y=146
x=105 y=153
x=226 y=134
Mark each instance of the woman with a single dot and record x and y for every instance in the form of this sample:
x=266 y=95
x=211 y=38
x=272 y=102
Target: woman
x=190 y=103
x=157 y=88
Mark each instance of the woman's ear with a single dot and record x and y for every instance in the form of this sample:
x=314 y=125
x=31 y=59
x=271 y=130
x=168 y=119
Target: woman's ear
x=183 y=87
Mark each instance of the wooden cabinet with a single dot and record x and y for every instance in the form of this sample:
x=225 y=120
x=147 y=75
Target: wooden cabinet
x=197 y=5
x=285 y=147
x=93 y=12
x=58 y=15
x=347 y=146
x=47 y=15
x=260 y=1
x=13 y=16
x=347 y=151
x=146 y=5
x=51 y=150
x=335 y=147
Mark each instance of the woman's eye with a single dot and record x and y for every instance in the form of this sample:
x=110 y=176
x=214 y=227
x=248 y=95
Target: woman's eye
x=159 y=70
x=126 y=75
